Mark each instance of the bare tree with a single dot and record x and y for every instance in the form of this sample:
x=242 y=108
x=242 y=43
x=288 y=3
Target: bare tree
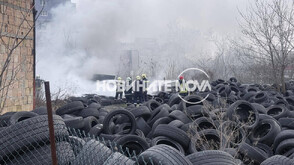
x=170 y=72
x=59 y=98
x=14 y=31
x=269 y=35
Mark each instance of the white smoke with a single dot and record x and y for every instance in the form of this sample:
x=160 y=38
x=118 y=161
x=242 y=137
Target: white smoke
x=80 y=42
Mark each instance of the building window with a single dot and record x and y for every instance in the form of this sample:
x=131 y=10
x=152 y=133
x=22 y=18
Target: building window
x=42 y=2
x=44 y=13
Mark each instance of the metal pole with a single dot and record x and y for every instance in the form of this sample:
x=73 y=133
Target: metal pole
x=34 y=54
x=50 y=123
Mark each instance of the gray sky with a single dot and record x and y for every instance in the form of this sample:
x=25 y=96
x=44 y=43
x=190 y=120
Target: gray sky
x=218 y=15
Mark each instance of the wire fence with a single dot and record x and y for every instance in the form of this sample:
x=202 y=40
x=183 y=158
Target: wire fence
x=27 y=142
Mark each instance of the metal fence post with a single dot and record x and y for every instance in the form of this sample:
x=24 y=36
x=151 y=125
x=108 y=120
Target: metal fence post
x=50 y=123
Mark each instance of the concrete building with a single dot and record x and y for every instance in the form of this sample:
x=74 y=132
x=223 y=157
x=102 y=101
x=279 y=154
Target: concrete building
x=17 y=55
x=44 y=7
x=139 y=57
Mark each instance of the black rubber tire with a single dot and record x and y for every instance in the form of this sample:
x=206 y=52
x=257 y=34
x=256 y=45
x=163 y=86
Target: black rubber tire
x=158 y=99
x=74 y=122
x=233 y=79
x=278 y=160
x=108 y=137
x=174 y=107
x=265 y=132
x=252 y=89
x=232 y=151
x=196 y=111
x=68 y=116
x=264 y=116
x=167 y=141
x=70 y=108
x=164 y=106
x=93 y=152
x=76 y=144
x=282 y=102
x=163 y=155
x=86 y=112
x=267 y=149
x=235 y=89
x=240 y=111
x=203 y=123
x=290 y=100
x=65 y=153
x=95 y=105
x=117 y=158
x=105 y=102
x=96 y=130
x=224 y=91
x=260 y=97
x=289 y=153
x=291 y=156
x=174 y=99
x=140 y=133
x=260 y=108
x=287 y=122
x=20 y=116
x=277 y=111
x=173 y=133
x=152 y=104
x=141 y=111
x=179 y=115
x=256 y=155
x=122 y=128
x=89 y=122
x=209 y=139
x=176 y=123
x=157 y=114
x=284 y=146
x=110 y=115
x=211 y=157
x=4 y=120
x=248 y=96
x=40 y=110
x=42 y=155
x=103 y=112
x=283 y=135
x=82 y=99
x=131 y=144
x=143 y=126
x=191 y=98
x=163 y=120
x=121 y=119
x=29 y=133
x=192 y=148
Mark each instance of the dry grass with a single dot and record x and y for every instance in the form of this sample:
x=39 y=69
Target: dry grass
x=230 y=133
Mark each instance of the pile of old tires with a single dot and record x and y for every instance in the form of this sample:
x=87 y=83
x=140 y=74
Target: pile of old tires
x=236 y=124
x=24 y=139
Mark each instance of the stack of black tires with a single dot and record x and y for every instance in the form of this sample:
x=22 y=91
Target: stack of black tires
x=235 y=124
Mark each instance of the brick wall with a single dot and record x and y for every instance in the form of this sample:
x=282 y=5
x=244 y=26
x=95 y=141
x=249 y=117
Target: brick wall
x=16 y=20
